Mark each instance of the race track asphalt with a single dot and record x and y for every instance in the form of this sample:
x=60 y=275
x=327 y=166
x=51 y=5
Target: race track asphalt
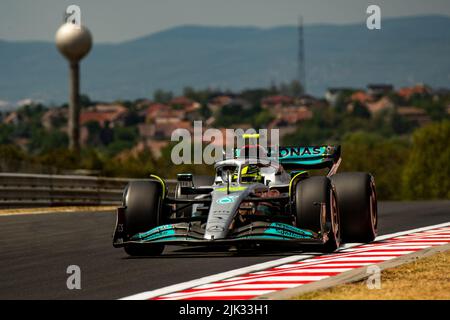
x=35 y=251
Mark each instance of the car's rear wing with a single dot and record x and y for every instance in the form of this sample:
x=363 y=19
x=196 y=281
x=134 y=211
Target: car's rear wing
x=309 y=157
x=295 y=157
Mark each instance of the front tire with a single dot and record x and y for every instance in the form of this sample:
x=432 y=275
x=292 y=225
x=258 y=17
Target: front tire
x=357 y=203
x=310 y=196
x=142 y=202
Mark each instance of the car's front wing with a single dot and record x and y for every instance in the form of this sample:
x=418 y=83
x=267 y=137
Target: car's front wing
x=186 y=233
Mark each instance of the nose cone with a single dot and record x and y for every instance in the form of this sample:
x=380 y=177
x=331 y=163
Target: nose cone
x=73 y=41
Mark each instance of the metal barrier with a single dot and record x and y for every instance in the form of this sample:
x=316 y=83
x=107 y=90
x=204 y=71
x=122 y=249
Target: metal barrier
x=40 y=190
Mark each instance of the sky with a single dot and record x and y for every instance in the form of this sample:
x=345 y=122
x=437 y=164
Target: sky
x=119 y=20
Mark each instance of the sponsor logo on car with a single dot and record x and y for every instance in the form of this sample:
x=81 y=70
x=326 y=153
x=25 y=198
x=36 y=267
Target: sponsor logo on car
x=226 y=200
x=300 y=151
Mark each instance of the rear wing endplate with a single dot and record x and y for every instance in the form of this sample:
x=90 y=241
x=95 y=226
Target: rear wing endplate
x=309 y=157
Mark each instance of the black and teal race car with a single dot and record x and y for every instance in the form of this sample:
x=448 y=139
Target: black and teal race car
x=252 y=201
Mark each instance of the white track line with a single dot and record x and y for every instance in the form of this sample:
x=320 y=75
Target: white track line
x=263 y=266
x=231 y=293
x=328 y=264
x=315 y=270
x=401 y=233
x=214 y=278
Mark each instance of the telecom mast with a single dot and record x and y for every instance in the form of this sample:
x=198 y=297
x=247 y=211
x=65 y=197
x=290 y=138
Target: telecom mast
x=301 y=55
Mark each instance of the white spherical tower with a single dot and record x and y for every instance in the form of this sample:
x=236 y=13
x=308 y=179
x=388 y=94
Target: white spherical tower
x=74 y=42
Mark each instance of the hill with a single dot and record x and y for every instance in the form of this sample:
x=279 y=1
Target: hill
x=405 y=51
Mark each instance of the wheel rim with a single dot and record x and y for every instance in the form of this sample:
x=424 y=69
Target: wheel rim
x=373 y=208
x=335 y=225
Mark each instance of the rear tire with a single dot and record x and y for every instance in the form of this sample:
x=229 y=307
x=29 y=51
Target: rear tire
x=357 y=203
x=310 y=194
x=142 y=202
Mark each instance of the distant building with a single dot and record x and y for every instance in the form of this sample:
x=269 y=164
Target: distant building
x=163 y=119
x=112 y=115
x=306 y=100
x=146 y=131
x=361 y=97
x=185 y=104
x=414 y=114
x=333 y=94
x=54 y=117
x=13 y=118
x=27 y=102
x=276 y=102
x=162 y=128
x=156 y=110
x=383 y=104
x=5 y=105
x=293 y=115
x=378 y=90
x=155 y=147
x=419 y=89
x=441 y=92
x=219 y=102
x=142 y=104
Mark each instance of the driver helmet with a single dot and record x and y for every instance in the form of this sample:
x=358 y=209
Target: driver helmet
x=251 y=173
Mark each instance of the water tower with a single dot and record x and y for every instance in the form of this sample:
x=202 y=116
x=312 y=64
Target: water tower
x=74 y=41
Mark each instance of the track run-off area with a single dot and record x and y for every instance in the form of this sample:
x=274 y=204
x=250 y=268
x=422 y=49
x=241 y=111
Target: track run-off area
x=37 y=249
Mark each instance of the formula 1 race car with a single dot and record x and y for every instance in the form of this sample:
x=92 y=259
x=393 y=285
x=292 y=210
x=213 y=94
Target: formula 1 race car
x=252 y=201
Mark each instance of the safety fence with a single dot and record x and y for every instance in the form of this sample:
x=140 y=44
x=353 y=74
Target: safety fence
x=41 y=190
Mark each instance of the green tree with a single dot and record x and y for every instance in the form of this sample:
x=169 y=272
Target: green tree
x=11 y=157
x=360 y=110
x=60 y=158
x=383 y=158
x=91 y=159
x=138 y=166
x=162 y=96
x=94 y=131
x=254 y=96
x=200 y=96
x=426 y=175
x=6 y=132
x=85 y=101
x=236 y=113
x=123 y=138
x=45 y=141
x=295 y=88
x=262 y=119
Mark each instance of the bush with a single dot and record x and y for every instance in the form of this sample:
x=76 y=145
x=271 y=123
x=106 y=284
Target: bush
x=59 y=159
x=45 y=141
x=11 y=157
x=262 y=119
x=383 y=158
x=6 y=132
x=130 y=166
x=426 y=175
